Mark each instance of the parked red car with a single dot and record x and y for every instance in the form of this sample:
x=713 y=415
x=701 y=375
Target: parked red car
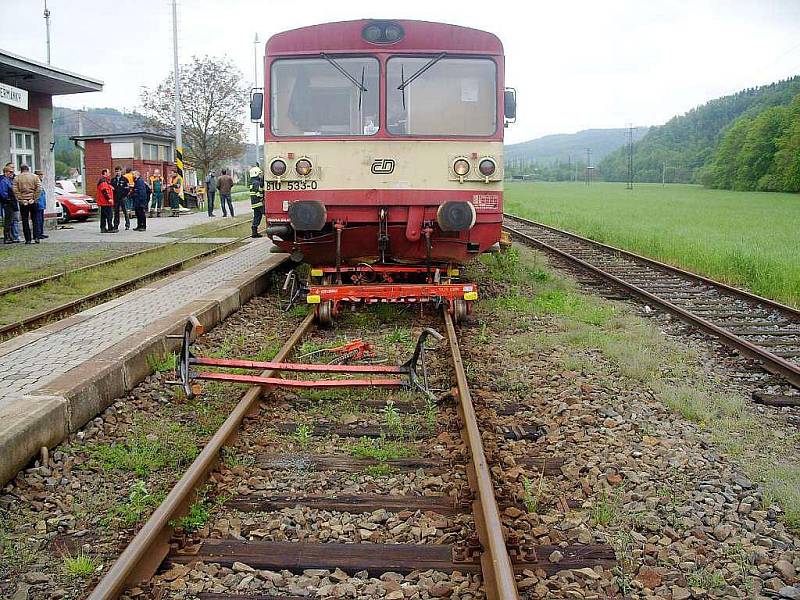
x=75 y=206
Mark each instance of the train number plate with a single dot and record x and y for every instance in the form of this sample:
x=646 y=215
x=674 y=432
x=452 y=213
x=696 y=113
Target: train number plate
x=485 y=201
x=292 y=186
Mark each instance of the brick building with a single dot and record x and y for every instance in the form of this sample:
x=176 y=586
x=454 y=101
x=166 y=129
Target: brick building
x=27 y=88
x=142 y=151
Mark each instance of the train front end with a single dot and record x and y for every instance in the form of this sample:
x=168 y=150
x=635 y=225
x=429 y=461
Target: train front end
x=384 y=147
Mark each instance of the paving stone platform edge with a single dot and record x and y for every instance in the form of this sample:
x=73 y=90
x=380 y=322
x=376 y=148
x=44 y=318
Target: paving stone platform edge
x=46 y=416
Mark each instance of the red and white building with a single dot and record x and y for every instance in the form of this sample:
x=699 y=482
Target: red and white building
x=142 y=151
x=27 y=88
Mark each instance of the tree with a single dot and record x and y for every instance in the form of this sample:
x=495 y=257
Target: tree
x=213 y=101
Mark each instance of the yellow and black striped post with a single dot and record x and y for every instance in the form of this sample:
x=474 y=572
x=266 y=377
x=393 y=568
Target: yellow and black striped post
x=179 y=167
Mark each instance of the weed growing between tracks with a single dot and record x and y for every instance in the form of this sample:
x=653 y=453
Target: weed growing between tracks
x=639 y=420
x=584 y=327
x=107 y=479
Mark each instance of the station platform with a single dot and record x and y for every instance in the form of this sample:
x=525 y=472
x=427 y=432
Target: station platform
x=56 y=378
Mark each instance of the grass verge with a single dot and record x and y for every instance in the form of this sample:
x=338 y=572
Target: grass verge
x=17 y=306
x=210 y=228
x=742 y=238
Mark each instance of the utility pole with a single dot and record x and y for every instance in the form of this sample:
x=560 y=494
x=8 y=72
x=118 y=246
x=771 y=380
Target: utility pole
x=255 y=84
x=630 y=156
x=47 y=25
x=588 y=165
x=82 y=152
x=177 y=75
x=664 y=175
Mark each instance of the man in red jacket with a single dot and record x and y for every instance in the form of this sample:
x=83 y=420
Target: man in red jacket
x=105 y=200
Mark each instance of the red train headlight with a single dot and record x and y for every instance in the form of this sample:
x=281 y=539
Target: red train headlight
x=487 y=167
x=277 y=167
x=461 y=166
x=303 y=167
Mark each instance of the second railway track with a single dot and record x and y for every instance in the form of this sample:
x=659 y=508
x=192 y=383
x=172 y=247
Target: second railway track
x=298 y=501
x=757 y=327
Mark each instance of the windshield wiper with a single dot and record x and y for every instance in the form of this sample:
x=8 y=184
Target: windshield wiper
x=342 y=70
x=404 y=83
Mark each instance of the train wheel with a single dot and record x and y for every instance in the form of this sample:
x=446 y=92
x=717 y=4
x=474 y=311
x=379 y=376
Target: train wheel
x=325 y=313
x=459 y=310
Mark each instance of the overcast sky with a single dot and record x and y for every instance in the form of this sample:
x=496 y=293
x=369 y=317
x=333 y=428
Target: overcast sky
x=575 y=64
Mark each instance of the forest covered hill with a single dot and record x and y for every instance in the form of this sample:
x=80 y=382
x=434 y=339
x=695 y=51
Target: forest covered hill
x=572 y=147
x=686 y=145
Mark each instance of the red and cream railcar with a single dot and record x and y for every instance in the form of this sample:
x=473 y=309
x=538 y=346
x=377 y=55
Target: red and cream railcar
x=384 y=143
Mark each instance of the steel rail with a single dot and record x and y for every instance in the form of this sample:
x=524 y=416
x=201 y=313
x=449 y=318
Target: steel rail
x=783 y=308
x=498 y=573
x=109 y=261
x=771 y=362
x=25 y=323
x=142 y=557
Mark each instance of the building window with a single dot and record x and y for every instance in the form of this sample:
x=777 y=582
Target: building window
x=164 y=153
x=23 y=148
x=149 y=151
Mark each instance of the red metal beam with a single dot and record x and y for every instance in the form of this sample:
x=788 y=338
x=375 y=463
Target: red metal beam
x=301 y=383
x=233 y=363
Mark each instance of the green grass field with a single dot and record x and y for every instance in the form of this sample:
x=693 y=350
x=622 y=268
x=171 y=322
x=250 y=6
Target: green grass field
x=748 y=239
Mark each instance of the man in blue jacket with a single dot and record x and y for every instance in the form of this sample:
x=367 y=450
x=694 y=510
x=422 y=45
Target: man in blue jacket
x=140 y=201
x=10 y=205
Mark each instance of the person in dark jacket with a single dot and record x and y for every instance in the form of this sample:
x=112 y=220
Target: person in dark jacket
x=224 y=187
x=256 y=199
x=120 y=185
x=140 y=198
x=10 y=205
x=211 y=191
x=105 y=199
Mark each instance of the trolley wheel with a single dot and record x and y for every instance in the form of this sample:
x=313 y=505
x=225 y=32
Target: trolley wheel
x=459 y=310
x=325 y=313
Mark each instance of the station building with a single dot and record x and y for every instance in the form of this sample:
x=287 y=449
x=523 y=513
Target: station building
x=142 y=151
x=27 y=88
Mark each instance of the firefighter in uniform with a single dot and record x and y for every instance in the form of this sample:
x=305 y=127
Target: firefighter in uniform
x=256 y=198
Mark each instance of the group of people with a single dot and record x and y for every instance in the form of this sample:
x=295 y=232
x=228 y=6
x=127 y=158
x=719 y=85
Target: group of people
x=222 y=184
x=129 y=191
x=22 y=199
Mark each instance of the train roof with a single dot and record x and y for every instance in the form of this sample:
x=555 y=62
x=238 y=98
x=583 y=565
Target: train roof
x=419 y=36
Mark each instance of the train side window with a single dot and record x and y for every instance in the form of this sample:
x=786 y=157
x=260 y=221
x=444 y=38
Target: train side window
x=324 y=96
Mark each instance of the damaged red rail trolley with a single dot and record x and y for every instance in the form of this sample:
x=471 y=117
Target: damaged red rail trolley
x=383 y=165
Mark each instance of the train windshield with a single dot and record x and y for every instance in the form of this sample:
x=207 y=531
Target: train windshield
x=440 y=95
x=326 y=96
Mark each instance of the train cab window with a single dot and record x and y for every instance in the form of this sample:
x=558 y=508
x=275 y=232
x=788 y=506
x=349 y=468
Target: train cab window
x=328 y=96
x=441 y=96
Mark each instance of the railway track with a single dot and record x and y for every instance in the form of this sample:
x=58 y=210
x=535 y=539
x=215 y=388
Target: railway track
x=103 y=263
x=40 y=318
x=756 y=327
x=464 y=511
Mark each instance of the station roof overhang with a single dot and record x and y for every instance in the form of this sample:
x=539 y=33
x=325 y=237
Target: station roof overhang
x=124 y=136
x=38 y=77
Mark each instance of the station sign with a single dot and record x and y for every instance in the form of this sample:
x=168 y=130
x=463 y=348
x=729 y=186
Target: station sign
x=13 y=96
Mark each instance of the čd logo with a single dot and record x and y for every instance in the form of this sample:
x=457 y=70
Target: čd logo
x=382 y=166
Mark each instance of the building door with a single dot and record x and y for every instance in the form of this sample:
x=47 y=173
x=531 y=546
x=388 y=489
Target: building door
x=23 y=149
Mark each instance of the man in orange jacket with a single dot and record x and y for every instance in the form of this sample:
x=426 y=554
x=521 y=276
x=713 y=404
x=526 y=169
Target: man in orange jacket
x=105 y=200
